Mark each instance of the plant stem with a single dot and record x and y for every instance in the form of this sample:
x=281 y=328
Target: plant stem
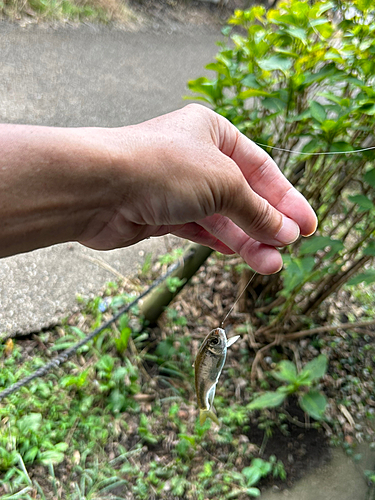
x=327 y=328
x=158 y=300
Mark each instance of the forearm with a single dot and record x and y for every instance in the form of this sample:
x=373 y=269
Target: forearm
x=189 y=173
x=51 y=183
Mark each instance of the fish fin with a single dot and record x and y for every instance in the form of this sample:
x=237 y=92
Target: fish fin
x=211 y=395
x=204 y=414
x=232 y=340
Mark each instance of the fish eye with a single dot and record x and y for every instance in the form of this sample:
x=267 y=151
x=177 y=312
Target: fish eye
x=214 y=341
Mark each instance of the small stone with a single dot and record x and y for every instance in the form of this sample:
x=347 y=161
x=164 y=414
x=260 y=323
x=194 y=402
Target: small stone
x=243 y=439
x=348 y=440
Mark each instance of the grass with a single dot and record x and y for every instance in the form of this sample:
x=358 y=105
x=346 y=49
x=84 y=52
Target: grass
x=104 y=11
x=119 y=419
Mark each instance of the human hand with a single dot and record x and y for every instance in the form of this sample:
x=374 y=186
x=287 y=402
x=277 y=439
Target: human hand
x=191 y=173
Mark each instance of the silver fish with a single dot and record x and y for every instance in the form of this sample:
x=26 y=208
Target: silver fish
x=208 y=366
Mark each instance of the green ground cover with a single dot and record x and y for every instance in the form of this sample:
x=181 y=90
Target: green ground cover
x=67 y=10
x=119 y=419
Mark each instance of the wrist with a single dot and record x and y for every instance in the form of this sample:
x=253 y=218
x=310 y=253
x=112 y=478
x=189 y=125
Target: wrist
x=52 y=182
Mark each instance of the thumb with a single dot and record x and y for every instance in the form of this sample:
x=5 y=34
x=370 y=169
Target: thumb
x=256 y=216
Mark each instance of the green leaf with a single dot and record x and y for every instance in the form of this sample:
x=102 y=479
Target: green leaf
x=165 y=348
x=250 y=81
x=318 y=112
x=31 y=454
x=368 y=108
x=295 y=32
x=253 y=93
x=367 y=277
x=206 y=87
x=370 y=249
x=30 y=423
x=252 y=474
x=316 y=243
x=267 y=400
x=274 y=104
x=122 y=341
x=105 y=363
x=62 y=446
x=253 y=492
x=51 y=457
x=275 y=63
x=370 y=177
x=117 y=400
x=312 y=146
x=323 y=74
x=296 y=272
x=314 y=404
x=297 y=118
x=123 y=321
x=287 y=372
x=322 y=7
x=341 y=147
x=315 y=369
x=329 y=125
x=362 y=201
x=79 y=332
x=258 y=469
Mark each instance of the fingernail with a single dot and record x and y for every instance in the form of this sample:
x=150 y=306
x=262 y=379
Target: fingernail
x=314 y=230
x=289 y=232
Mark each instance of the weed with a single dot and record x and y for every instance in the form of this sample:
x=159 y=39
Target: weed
x=311 y=400
x=63 y=10
x=170 y=257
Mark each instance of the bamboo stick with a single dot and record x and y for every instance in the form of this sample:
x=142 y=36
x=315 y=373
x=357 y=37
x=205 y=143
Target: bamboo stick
x=155 y=303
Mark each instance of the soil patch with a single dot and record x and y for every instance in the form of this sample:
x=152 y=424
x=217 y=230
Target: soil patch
x=167 y=12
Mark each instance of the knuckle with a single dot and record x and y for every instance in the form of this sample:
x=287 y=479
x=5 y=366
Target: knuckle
x=220 y=225
x=262 y=218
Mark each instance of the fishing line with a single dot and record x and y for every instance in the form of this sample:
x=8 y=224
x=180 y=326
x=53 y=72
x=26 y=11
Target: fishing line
x=316 y=154
x=238 y=298
x=65 y=355
x=298 y=153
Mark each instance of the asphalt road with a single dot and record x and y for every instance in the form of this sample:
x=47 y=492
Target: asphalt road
x=86 y=76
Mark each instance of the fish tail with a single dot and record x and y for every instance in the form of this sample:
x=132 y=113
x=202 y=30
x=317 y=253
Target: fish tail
x=204 y=414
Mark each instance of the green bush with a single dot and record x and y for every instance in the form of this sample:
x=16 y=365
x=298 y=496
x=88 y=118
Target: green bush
x=301 y=77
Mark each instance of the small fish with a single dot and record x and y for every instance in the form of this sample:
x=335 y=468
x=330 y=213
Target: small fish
x=208 y=365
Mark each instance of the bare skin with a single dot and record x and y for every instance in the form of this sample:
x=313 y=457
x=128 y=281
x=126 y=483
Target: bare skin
x=189 y=173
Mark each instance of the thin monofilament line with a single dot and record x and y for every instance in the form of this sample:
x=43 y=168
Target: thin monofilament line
x=238 y=298
x=315 y=154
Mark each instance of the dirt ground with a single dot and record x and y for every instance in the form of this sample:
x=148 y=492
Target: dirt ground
x=211 y=12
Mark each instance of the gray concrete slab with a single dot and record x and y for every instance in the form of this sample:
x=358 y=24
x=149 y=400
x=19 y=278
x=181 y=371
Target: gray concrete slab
x=340 y=479
x=86 y=76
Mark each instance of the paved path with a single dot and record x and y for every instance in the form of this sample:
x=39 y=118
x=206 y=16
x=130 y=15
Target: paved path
x=86 y=76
